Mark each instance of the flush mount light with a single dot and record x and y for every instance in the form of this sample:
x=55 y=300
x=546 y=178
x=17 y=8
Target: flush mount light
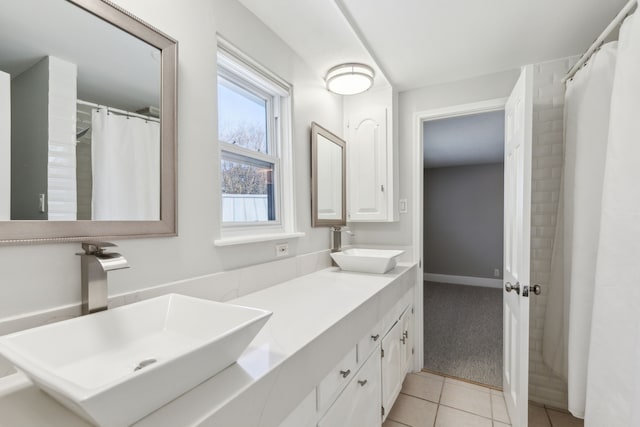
x=349 y=79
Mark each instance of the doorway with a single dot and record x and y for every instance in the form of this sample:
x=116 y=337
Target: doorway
x=463 y=183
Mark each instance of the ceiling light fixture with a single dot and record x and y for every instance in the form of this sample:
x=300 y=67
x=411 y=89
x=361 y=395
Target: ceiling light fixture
x=349 y=79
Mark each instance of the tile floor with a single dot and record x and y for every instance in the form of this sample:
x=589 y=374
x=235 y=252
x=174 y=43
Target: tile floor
x=429 y=400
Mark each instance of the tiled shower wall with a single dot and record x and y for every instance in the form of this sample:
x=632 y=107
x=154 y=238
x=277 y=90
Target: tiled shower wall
x=548 y=109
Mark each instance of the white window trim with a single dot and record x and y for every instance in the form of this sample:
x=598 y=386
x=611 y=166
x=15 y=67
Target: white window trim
x=234 y=62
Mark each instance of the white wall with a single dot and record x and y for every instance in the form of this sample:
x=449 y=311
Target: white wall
x=492 y=86
x=44 y=276
x=5 y=146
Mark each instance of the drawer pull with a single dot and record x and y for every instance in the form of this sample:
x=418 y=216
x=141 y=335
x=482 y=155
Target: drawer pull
x=346 y=373
x=375 y=337
x=362 y=382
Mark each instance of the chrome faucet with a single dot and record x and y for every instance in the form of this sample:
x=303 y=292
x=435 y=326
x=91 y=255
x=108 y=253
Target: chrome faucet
x=336 y=238
x=95 y=264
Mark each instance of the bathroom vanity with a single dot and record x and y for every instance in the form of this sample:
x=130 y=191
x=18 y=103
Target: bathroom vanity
x=334 y=353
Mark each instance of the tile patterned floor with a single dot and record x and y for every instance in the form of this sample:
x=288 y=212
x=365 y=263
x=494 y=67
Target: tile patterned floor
x=429 y=400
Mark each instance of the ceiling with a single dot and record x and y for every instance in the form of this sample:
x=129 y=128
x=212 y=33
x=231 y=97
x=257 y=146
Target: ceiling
x=464 y=140
x=317 y=31
x=114 y=68
x=416 y=43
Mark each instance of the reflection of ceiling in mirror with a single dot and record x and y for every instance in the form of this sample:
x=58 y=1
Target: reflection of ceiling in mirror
x=114 y=68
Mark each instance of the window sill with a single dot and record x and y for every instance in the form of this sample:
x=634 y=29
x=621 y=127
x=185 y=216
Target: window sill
x=256 y=238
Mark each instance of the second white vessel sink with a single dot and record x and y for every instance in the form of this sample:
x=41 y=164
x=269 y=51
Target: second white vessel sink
x=114 y=367
x=366 y=260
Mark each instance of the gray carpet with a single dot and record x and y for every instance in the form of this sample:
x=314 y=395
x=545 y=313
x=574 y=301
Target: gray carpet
x=463 y=332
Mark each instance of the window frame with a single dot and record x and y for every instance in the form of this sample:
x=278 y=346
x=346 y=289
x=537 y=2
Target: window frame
x=236 y=68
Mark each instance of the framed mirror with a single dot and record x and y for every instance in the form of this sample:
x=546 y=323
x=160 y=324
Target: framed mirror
x=87 y=123
x=328 y=178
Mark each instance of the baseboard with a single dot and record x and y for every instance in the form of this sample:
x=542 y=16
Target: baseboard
x=463 y=280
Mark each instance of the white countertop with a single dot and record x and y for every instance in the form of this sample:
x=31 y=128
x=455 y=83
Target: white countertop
x=317 y=319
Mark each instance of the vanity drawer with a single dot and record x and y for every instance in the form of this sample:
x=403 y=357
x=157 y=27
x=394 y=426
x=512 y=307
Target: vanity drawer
x=368 y=342
x=336 y=379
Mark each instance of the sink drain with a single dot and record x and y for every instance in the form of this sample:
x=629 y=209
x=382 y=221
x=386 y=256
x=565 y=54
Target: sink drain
x=144 y=363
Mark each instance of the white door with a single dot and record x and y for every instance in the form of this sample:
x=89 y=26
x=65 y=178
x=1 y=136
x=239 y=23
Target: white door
x=517 y=236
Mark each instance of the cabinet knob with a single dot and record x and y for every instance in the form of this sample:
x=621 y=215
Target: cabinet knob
x=406 y=334
x=403 y=340
x=346 y=373
x=362 y=382
x=375 y=337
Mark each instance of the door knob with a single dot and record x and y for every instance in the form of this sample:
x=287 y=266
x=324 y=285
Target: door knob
x=536 y=289
x=509 y=287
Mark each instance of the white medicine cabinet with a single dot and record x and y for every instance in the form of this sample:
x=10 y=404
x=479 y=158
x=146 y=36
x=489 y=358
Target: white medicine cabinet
x=372 y=160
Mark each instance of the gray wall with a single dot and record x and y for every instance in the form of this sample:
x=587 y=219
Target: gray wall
x=463 y=220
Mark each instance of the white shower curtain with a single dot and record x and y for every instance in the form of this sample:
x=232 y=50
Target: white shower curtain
x=572 y=281
x=125 y=157
x=573 y=273
x=613 y=381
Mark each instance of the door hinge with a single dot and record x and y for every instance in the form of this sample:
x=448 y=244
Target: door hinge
x=382 y=188
x=413 y=350
x=420 y=263
x=412 y=310
x=382 y=352
x=382 y=411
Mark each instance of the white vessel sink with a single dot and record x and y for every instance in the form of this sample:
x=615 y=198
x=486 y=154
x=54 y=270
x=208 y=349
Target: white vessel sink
x=366 y=260
x=114 y=367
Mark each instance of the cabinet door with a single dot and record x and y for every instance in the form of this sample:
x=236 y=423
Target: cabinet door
x=406 y=339
x=367 y=165
x=359 y=403
x=392 y=375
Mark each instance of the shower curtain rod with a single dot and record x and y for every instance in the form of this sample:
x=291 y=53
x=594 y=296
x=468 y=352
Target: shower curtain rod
x=600 y=40
x=118 y=111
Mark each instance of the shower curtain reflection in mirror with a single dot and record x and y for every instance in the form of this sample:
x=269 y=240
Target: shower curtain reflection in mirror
x=126 y=167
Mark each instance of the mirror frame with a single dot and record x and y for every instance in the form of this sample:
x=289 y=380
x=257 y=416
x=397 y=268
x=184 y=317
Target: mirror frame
x=30 y=232
x=316 y=130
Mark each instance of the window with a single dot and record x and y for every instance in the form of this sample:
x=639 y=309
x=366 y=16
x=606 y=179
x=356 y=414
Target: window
x=255 y=153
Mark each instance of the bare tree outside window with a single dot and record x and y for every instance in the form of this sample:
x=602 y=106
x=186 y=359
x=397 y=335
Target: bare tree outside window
x=245 y=177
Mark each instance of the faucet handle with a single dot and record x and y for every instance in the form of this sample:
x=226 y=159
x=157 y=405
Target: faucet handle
x=92 y=248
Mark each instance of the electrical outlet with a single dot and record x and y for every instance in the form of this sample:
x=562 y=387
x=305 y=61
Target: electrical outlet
x=496 y=272
x=282 y=249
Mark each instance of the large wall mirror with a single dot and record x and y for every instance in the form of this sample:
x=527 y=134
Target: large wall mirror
x=87 y=123
x=328 y=178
